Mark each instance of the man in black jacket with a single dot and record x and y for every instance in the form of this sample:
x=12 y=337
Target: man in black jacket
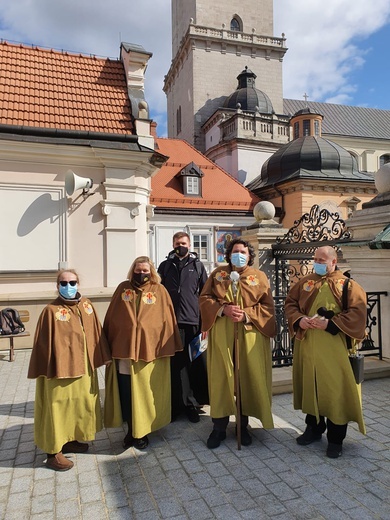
x=184 y=276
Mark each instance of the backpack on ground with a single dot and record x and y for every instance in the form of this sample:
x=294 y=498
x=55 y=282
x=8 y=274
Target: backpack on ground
x=10 y=322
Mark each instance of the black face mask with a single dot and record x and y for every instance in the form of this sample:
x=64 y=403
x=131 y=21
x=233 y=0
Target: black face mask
x=181 y=251
x=140 y=278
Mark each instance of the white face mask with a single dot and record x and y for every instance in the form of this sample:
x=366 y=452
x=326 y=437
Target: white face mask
x=238 y=259
x=68 y=292
x=320 y=269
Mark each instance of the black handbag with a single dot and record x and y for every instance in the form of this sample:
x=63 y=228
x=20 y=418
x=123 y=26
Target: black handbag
x=356 y=359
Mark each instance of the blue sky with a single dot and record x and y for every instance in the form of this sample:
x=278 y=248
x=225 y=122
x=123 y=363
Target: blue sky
x=338 y=49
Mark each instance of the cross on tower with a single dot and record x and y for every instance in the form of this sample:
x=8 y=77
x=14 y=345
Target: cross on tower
x=305 y=97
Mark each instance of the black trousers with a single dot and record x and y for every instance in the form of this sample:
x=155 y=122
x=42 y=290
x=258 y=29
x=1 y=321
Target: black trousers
x=124 y=387
x=335 y=433
x=221 y=423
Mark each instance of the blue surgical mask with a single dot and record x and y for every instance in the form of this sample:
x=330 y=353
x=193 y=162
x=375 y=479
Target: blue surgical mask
x=68 y=292
x=319 y=269
x=238 y=259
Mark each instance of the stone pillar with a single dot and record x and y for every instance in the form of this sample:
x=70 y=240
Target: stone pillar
x=368 y=254
x=262 y=234
x=126 y=209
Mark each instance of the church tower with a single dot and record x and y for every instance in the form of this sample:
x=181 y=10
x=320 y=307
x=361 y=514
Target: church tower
x=212 y=42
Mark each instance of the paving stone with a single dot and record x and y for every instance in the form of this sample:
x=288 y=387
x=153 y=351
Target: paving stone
x=178 y=478
x=197 y=509
x=170 y=507
x=68 y=509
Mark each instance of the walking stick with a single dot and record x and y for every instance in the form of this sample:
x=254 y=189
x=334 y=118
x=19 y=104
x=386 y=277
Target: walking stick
x=234 y=276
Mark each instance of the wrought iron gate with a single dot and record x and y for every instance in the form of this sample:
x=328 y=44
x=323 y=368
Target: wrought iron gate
x=292 y=255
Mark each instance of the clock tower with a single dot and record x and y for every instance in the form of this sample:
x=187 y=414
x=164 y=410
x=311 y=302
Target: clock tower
x=212 y=42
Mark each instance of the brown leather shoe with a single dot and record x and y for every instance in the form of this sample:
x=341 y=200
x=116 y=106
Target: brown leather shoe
x=75 y=447
x=58 y=462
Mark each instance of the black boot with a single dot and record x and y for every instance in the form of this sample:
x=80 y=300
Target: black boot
x=334 y=451
x=215 y=439
x=308 y=436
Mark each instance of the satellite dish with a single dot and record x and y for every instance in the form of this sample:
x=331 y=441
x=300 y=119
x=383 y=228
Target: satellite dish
x=73 y=183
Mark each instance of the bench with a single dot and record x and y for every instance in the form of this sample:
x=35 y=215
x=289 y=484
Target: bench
x=25 y=317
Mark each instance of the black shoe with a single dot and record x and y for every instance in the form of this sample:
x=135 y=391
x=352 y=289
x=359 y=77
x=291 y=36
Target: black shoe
x=141 y=444
x=334 y=451
x=246 y=439
x=308 y=436
x=215 y=439
x=128 y=441
x=192 y=414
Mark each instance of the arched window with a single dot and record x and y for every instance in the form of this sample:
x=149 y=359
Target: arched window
x=296 y=130
x=383 y=159
x=235 y=24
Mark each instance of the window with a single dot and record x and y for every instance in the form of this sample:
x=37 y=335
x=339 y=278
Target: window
x=306 y=127
x=316 y=127
x=178 y=120
x=200 y=245
x=192 y=185
x=384 y=159
x=296 y=130
x=235 y=24
x=191 y=180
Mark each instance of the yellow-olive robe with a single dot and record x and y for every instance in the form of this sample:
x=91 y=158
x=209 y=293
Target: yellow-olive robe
x=255 y=363
x=141 y=328
x=323 y=380
x=69 y=345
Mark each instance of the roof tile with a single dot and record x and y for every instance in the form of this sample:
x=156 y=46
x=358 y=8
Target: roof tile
x=54 y=89
x=219 y=188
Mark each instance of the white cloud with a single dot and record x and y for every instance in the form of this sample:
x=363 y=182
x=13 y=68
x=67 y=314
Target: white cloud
x=326 y=39
x=327 y=42
x=97 y=27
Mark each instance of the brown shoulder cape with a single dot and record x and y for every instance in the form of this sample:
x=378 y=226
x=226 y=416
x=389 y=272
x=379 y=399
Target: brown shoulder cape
x=58 y=349
x=256 y=297
x=351 y=321
x=140 y=323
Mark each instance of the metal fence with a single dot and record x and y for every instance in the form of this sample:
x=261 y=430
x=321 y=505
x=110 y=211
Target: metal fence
x=282 y=344
x=291 y=259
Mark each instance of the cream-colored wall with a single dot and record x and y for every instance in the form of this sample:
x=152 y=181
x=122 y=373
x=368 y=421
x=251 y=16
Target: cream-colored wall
x=180 y=94
x=368 y=151
x=210 y=91
x=302 y=198
x=48 y=229
x=255 y=14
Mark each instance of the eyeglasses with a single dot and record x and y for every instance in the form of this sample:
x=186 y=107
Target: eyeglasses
x=72 y=283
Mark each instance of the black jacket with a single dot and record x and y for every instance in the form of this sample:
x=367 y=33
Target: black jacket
x=184 y=280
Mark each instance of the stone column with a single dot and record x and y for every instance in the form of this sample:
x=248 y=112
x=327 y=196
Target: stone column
x=262 y=234
x=368 y=253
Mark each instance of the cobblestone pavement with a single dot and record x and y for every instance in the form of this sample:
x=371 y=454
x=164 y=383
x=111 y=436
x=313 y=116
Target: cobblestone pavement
x=177 y=477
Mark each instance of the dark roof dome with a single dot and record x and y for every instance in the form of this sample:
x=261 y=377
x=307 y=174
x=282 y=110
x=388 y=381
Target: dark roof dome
x=308 y=157
x=247 y=96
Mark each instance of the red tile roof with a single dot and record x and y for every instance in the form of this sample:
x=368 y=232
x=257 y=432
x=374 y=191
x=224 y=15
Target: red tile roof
x=53 y=89
x=220 y=191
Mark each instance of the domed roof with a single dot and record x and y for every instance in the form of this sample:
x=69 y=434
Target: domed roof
x=308 y=157
x=247 y=96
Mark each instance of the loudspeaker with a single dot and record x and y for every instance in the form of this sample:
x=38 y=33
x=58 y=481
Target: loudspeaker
x=73 y=183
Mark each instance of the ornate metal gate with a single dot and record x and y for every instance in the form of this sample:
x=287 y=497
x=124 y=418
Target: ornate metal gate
x=292 y=256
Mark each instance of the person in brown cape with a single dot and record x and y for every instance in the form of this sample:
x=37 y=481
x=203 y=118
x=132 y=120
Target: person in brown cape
x=253 y=314
x=141 y=329
x=69 y=346
x=324 y=386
